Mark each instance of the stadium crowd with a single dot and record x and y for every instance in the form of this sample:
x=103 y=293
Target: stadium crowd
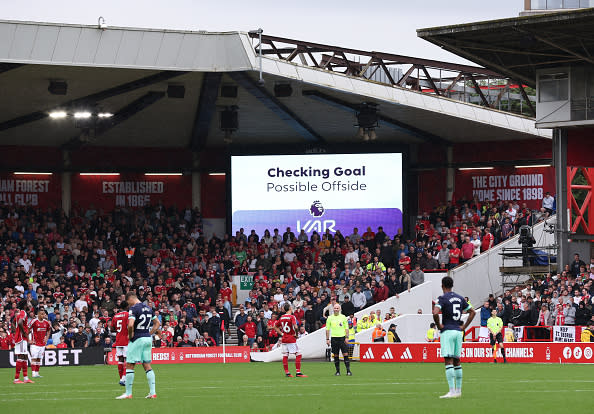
x=79 y=268
x=563 y=299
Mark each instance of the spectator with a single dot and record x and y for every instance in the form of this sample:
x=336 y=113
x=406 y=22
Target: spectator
x=560 y=315
x=381 y=292
x=485 y=313
x=583 y=315
x=191 y=332
x=348 y=309
x=488 y=240
x=576 y=264
x=405 y=281
x=185 y=343
x=443 y=256
x=548 y=203
x=467 y=250
x=249 y=329
x=392 y=335
x=378 y=334
x=417 y=276
x=569 y=313
x=359 y=299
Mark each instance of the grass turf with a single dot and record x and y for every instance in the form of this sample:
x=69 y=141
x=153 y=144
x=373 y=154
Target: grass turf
x=262 y=388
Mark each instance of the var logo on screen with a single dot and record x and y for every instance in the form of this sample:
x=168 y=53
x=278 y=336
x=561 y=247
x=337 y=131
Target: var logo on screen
x=316 y=210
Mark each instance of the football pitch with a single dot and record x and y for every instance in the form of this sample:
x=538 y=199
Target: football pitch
x=263 y=388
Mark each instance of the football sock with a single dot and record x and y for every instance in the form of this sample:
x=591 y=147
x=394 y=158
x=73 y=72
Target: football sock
x=24 y=368
x=347 y=362
x=286 y=363
x=18 y=365
x=503 y=353
x=150 y=377
x=458 y=377
x=298 y=363
x=121 y=370
x=337 y=363
x=450 y=376
x=129 y=381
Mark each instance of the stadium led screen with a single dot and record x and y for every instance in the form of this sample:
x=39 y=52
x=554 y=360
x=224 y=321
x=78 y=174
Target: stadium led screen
x=316 y=192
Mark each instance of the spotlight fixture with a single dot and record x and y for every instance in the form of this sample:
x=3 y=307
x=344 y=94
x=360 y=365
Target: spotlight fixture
x=367 y=121
x=82 y=115
x=104 y=115
x=229 y=122
x=533 y=166
x=475 y=168
x=57 y=87
x=58 y=114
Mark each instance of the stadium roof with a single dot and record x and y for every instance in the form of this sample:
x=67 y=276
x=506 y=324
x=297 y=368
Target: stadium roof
x=127 y=71
x=517 y=47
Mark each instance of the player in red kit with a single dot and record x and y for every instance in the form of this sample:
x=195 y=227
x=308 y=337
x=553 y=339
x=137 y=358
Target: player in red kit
x=120 y=324
x=287 y=327
x=40 y=329
x=20 y=343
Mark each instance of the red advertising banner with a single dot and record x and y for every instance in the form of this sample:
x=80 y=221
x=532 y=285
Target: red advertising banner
x=525 y=185
x=524 y=352
x=131 y=191
x=39 y=191
x=194 y=355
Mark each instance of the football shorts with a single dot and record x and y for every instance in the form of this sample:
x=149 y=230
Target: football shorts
x=20 y=348
x=37 y=352
x=451 y=344
x=140 y=351
x=290 y=348
x=337 y=345
x=121 y=351
x=497 y=338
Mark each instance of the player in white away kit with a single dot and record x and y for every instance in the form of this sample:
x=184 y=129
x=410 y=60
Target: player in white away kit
x=40 y=329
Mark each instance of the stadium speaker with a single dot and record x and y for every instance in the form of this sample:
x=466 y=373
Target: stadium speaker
x=367 y=116
x=229 y=91
x=229 y=119
x=58 y=87
x=283 y=90
x=176 y=91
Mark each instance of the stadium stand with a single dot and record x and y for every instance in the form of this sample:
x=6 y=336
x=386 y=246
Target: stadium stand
x=79 y=268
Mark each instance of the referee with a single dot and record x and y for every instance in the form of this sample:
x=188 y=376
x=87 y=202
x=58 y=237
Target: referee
x=337 y=327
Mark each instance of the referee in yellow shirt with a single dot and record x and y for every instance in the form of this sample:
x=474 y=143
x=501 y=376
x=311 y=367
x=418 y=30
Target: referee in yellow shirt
x=337 y=336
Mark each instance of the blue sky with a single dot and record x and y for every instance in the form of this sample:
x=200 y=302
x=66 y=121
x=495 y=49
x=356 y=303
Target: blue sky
x=380 y=25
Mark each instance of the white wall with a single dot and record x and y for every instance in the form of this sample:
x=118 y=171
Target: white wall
x=410 y=328
x=480 y=276
x=435 y=279
x=314 y=344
